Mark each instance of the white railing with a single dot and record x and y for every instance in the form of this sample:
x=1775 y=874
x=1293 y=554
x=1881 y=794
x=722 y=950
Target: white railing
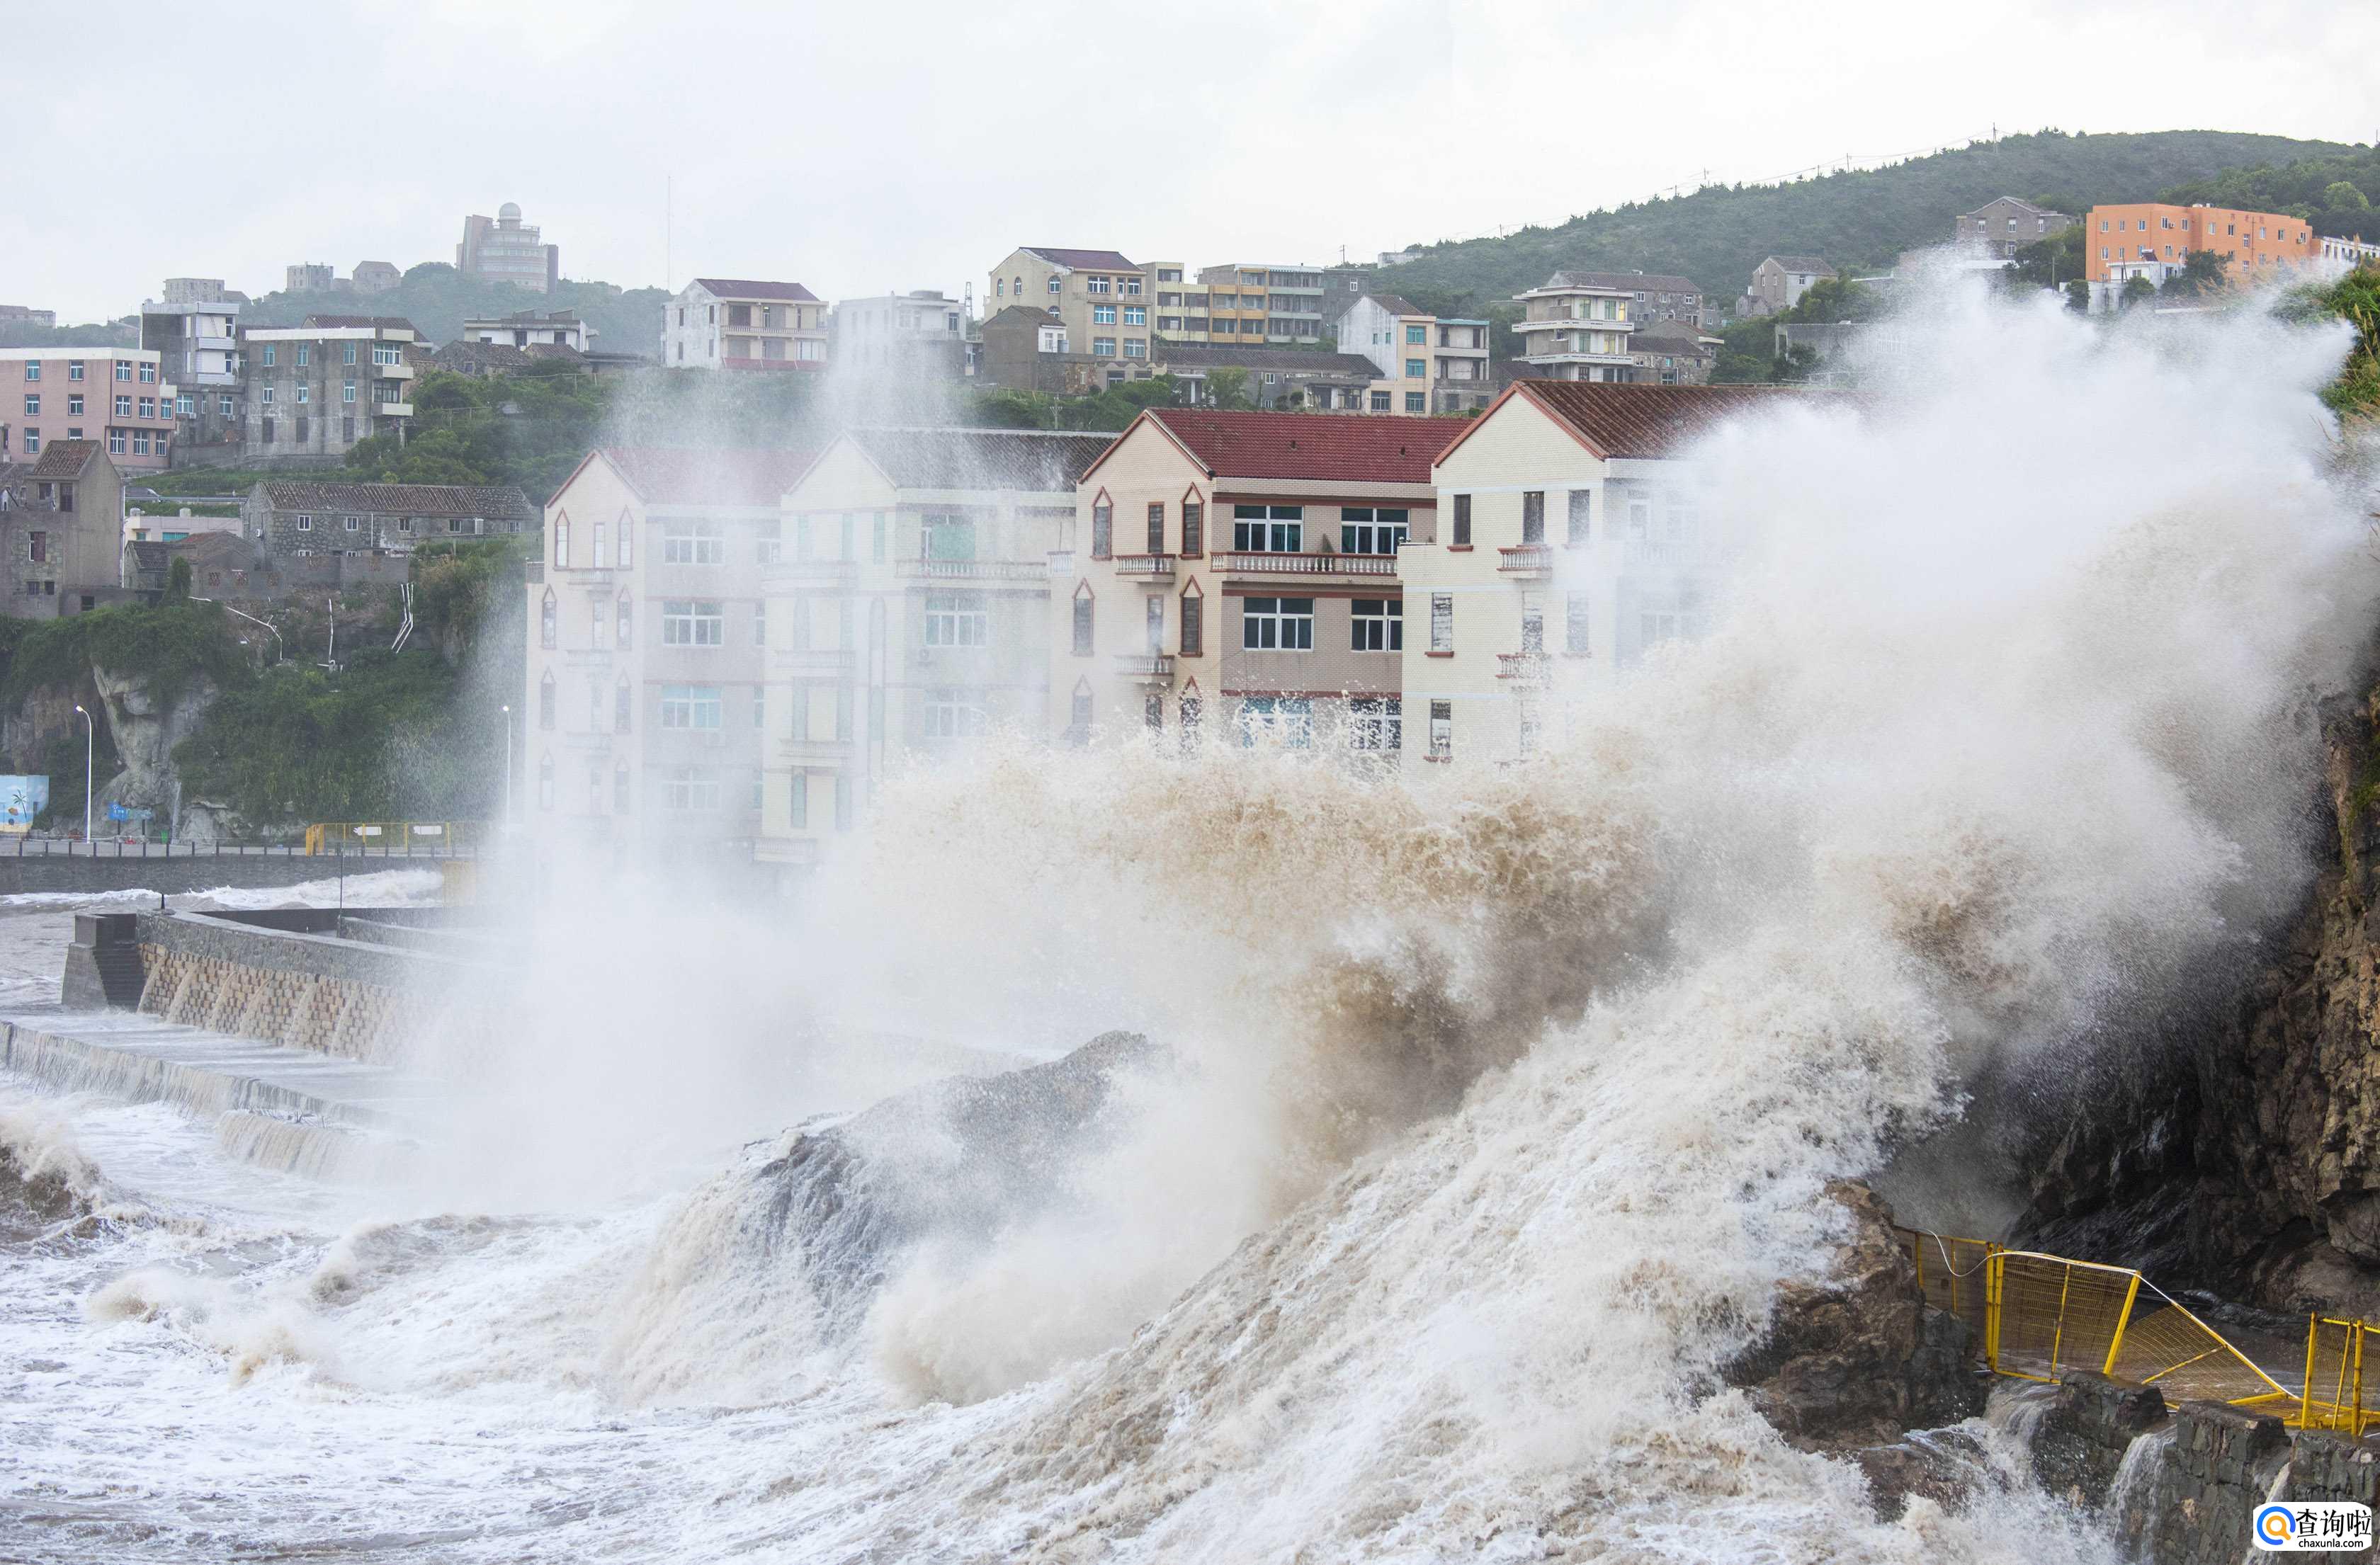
x=1307 y=564
x=1530 y=667
x=974 y=570
x=1145 y=564
x=1525 y=557
x=1145 y=665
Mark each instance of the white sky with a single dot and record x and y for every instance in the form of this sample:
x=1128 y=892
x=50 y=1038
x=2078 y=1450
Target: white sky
x=861 y=149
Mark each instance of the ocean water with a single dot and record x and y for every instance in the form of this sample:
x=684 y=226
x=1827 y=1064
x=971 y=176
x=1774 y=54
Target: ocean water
x=1488 y=1110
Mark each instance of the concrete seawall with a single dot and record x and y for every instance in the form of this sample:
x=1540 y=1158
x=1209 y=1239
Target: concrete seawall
x=182 y=872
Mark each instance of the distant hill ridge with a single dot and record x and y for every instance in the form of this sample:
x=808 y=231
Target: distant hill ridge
x=1856 y=220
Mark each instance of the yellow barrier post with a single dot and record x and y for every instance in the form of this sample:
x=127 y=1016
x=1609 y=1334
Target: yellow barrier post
x=2123 y=1319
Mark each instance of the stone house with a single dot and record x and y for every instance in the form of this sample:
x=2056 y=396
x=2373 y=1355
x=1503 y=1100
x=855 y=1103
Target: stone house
x=1778 y=283
x=299 y=516
x=58 y=530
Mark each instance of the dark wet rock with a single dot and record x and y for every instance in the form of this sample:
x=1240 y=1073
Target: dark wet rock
x=1857 y=1358
x=1947 y=1466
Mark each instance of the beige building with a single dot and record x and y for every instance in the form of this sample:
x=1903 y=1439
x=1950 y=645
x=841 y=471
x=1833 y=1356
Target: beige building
x=1572 y=539
x=1103 y=300
x=1253 y=301
x=1432 y=365
x=643 y=703
x=1241 y=570
x=743 y=324
x=908 y=613
x=1577 y=329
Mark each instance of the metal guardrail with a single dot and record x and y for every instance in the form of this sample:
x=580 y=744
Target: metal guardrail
x=397 y=839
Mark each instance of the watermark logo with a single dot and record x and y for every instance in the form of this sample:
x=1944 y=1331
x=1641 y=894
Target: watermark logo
x=2314 y=1526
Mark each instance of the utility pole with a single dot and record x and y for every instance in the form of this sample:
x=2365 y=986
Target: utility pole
x=508 y=765
x=90 y=747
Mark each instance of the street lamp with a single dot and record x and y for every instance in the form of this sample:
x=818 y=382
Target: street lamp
x=90 y=744
x=508 y=765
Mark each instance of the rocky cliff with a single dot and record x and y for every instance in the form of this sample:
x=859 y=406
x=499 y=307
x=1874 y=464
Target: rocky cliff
x=2235 y=1144
x=146 y=729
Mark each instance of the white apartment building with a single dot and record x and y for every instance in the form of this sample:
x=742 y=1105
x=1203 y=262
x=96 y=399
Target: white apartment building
x=527 y=328
x=1571 y=538
x=642 y=694
x=919 y=331
x=907 y=612
x=740 y=323
x=1577 y=329
x=1438 y=366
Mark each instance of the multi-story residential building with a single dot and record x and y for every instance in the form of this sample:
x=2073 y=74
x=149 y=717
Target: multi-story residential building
x=507 y=251
x=1264 y=302
x=122 y=399
x=198 y=345
x=527 y=328
x=1287 y=380
x=295 y=516
x=919 y=332
x=1438 y=366
x=1653 y=295
x=312 y=391
x=908 y=611
x=307 y=277
x=2339 y=253
x=59 y=530
x=647 y=651
x=2154 y=240
x=1242 y=569
x=376 y=276
x=740 y=323
x=1103 y=300
x=200 y=290
x=1170 y=318
x=2002 y=227
x=1023 y=349
x=26 y=315
x=1778 y=283
x=1572 y=540
x=1574 y=330
x=1673 y=353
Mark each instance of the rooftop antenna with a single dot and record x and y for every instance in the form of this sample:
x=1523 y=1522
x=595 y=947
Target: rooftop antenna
x=669 y=233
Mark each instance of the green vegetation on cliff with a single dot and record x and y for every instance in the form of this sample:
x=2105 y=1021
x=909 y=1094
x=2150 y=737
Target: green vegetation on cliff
x=438 y=300
x=169 y=648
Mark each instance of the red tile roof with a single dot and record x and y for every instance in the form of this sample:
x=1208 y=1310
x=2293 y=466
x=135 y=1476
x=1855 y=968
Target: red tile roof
x=744 y=289
x=1309 y=445
x=1629 y=420
x=677 y=476
x=1096 y=261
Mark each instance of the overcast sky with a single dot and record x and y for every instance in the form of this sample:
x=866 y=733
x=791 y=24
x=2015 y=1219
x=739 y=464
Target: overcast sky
x=866 y=148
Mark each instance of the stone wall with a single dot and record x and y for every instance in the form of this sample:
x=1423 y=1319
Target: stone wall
x=303 y=989
x=2085 y=1434
x=179 y=872
x=2220 y=1467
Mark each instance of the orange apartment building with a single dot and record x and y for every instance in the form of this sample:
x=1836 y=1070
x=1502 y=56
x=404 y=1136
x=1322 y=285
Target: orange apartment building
x=2152 y=240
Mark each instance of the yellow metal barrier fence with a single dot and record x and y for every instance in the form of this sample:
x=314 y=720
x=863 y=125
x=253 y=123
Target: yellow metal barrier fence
x=2334 y=1383
x=401 y=837
x=2038 y=1315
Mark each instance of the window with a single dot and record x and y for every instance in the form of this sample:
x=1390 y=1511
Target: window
x=32 y=405
x=760 y=623
x=561 y=542
x=694 y=707
x=628 y=547
x=74 y=404
x=1376 y=724
x=693 y=544
x=691 y=788
x=387 y=353
x=347 y=391
x=185 y=405
x=37 y=547
x=841 y=802
x=74 y=370
x=305 y=523
x=124 y=405
x=115 y=441
x=546 y=692
x=956 y=619
x=268 y=357
x=1102 y=530
x=123 y=370
x=623 y=706
x=1417 y=336
x=223 y=406
x=686 y=622
x=1441 y=622
x=1379 y=625
x=33 y=442
x=1416 y=402
x=305 y=354
x=346 y=353
x=1532 y=516
x=1136 y=347
x=1441 y=728
x=1276 y=624
x=1640 y=516
x=1462 y=521
x=1103 y=348
x=798 y=802
x=623 y=621
x=1136 y=315
x=1283 y=720
x=1103 y=315
x=1268 y=529
x=879 y=541
x=352 y=524
x=620 y=788
x=948 y=716
x=1098 y=284
x=1193 y=527
x=1194 y=622
x=1153 y=613
x=1082 y=620
x=1156 y=526
x=1416 y=368
x=1132 y=285
x=1575 y=625
x=1364 y=530
x=32 y=369
x=1053 y=284
x=1152 y=712
x=1581 y=503
x=149 y=407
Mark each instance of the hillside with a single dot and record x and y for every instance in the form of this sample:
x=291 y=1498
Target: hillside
x=438 y=300
x=1856 y=220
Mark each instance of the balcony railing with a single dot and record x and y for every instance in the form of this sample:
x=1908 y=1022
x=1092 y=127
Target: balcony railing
x=802 y=661
x=1525 y=557
x=393 y=410
x=1679 y=552
x=1152 y=567
x=816 y=752
x=394 y=371
x=1145 y=665
x=1531 y=668
x=974 y=570
x=1306 y=564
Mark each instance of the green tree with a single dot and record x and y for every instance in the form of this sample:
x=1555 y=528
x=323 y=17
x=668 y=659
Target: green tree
x=2201 y=274
x=1227 y=388
x=178 y=579
x=2344 y=195
x=2136 y=288
x=2051 y=263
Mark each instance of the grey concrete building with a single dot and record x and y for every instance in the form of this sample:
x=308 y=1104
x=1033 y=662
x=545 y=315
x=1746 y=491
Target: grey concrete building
x=2005 y=227
x=312 y=391
x=299 y=516
x=1778 y=283
x=917 y=335
x=59 y=530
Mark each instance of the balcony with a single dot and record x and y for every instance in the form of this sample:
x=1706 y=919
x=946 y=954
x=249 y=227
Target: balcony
x=392 y=372
x=598 y=740
x=1528 y=668
x=392 y=409
x=1155 y=667
x=977 y=570
x=803 y=663
x=1674 y=553
x=1145 y=567
x=1307 y=564
x=1525 y=559
x=816 y=752
x=587 y=657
